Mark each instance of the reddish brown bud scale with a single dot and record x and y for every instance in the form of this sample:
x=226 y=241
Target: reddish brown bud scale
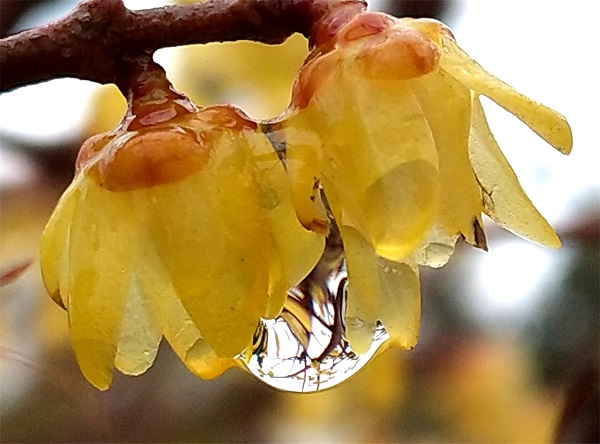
x=403 y=54
x=151 y=158
x=378 y=47
x=163 y=138
x=165 y=153
x=339 y=13
x=310 y=79
x=226 y=116
x=91 y=148
x=364 y=25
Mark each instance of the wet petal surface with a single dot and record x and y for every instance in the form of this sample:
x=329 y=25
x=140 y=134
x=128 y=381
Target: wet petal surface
x=504 y=199
x=547 y=123
x=99 y=284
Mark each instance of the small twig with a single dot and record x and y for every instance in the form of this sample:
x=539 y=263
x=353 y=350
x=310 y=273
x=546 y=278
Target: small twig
x=91 y=41
x=10 y=273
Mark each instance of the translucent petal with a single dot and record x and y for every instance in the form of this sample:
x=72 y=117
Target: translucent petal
x=296 y=250
x=381 y=155
x=547 y=123
x=504 y=199
x=399 y=208
x=140 y=335
x=363 y=289
x=204 y=362
x=172 y=318
x=278 y=283
x=303 y=161
x=100 y=262
x=212 y=234
x=446 y=104
x=55 y=243
x=436 y=250
x=400 y=302
x=379 y=289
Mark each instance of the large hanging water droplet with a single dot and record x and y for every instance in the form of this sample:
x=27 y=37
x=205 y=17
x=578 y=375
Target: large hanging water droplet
x=305 y=348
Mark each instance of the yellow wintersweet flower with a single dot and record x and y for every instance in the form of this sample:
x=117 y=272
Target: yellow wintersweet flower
x=179 y=223
x=385 y=116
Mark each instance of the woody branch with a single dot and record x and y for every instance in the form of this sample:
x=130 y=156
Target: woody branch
x=97 y=35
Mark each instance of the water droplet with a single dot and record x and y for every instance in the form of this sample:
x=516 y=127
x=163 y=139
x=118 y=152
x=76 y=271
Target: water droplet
x=305 y=348
x=436 y=250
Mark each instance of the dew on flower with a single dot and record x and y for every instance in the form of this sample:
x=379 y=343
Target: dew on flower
x=305 y=349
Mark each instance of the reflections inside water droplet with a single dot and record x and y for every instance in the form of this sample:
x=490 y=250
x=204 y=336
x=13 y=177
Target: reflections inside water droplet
x=305 y=348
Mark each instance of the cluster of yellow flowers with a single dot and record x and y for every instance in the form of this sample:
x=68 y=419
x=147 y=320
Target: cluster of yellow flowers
x=388 y=120
x=185 y=223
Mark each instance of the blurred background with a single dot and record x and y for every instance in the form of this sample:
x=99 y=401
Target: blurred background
x=509 y=348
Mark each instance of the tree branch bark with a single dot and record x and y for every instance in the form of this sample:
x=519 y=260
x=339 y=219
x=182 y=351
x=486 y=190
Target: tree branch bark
x=92 y=40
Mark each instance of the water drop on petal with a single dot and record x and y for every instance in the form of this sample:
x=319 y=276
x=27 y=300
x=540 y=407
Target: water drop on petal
x=305 y=349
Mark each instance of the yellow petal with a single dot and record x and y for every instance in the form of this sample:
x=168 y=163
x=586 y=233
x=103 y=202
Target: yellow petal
x=296 y=250
x=204 y=362
x=446 y=105
x=54 y=247
x=504 y=199
x=400 y=302
x=212 y=234
x=379 y=289
x=363 y=290
x=547 y=123
x=140 y=335
x=303 y=162
x=380 y=154
x=100 y=260
x=278 y=283
x=172 y=318
x=436 y=250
